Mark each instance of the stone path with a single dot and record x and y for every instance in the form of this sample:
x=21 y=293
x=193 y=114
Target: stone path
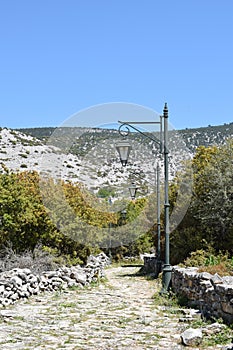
x=118 y=314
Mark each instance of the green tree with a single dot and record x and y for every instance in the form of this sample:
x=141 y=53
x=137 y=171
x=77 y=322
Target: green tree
x=209 y=219
x=213 y=195
x=23 y=216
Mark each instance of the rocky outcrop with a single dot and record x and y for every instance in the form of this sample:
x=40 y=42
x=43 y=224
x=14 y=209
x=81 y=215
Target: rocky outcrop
x=22 y=283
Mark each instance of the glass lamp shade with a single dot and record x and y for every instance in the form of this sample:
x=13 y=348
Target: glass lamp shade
x=133 y=190
x=123 y=148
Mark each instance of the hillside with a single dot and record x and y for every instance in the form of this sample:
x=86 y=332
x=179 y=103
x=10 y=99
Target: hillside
x=20 y=152
x=89 y=155
x=205 y=136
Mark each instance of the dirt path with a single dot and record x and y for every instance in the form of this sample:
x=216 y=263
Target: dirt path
x=118 y=314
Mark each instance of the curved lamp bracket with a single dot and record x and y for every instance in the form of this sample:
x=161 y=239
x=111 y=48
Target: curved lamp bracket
x=128 y=125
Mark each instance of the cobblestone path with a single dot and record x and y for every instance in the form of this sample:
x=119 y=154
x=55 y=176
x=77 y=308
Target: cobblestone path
x=118 y=314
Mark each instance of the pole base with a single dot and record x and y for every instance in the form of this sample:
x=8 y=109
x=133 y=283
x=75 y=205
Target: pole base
x=166 y=279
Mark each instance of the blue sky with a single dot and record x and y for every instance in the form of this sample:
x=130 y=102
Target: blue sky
x=61 y=56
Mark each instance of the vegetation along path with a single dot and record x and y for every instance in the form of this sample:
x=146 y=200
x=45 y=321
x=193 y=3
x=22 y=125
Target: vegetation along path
x=119 y=313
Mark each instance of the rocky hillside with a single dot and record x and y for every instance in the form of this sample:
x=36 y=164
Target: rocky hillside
x=193 y=138
x=89 y=155
x=207 y=136
x=19 y=152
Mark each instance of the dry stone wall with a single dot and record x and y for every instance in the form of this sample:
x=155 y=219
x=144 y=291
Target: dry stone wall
x=211 y=293
x=22 y=283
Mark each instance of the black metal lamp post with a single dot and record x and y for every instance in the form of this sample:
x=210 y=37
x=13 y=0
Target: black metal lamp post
x=110 y=234
x=158 y=219
x=123 y=149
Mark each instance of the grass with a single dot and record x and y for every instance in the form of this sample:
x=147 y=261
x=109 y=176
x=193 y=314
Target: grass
x=68 y=341
x=90 y=312
x=74 y=288
x=124 y=320
x=169 y=300
x=134 y=262
x=68 y=305
x=118 y=307
x=222 y=338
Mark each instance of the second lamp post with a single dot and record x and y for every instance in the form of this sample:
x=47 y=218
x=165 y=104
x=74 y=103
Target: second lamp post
x=124 y=149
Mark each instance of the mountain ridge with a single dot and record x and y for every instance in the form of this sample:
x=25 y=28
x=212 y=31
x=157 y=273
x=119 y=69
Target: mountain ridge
x=206 y=135
x=88 y=155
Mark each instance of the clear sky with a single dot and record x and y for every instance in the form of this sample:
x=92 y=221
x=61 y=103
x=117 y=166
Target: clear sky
x=62 y=56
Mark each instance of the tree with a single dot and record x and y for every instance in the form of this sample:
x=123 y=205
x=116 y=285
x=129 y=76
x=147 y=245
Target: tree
x=209 y=218
x=60 y=216
x=213 y=193
x=23 y=216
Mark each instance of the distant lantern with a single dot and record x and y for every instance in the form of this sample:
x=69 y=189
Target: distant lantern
x=133 y=190
x=123 y=214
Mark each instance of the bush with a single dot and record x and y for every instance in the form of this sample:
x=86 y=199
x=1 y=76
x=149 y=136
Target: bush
x=37 y=261
x=198 y=258
x=209 y=261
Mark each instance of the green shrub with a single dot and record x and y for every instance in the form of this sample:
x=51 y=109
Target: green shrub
x=23 y=155
x=209 y=261
x=198 y=258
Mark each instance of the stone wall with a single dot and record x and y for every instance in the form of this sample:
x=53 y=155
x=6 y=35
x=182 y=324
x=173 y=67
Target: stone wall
x=151 y=265
x=22 y=283
x=211 y=293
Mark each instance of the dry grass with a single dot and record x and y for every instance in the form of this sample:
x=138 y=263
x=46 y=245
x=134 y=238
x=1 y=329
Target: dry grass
x=37 y=261
x=222 y=269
